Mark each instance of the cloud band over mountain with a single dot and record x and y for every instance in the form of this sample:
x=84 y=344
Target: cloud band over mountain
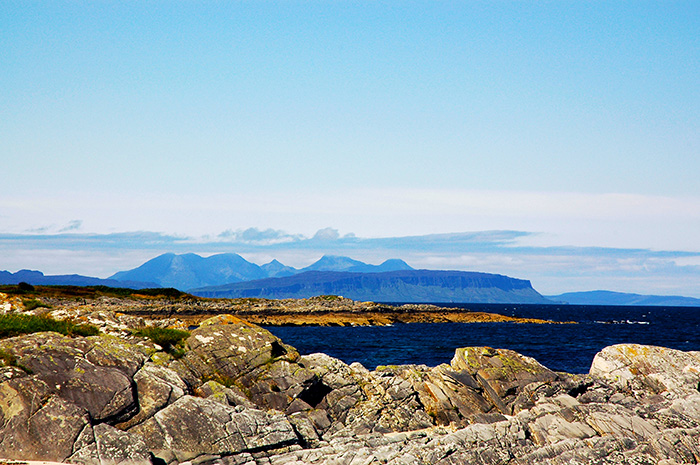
x=551 y=269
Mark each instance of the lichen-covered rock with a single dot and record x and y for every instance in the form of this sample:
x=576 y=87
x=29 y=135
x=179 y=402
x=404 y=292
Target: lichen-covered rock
x=156 y=387
x=235 y=353
x=229 y=348
x=649 y=369
x=501 y=373
x=36 y=424
x=239 y=396
x=480 y=385
x=10 y=304
x=104 y=444
x=230 y=395
x=204 y=426
x=93 y=373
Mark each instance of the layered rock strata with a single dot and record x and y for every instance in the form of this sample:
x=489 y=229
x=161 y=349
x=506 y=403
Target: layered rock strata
x=239 y=395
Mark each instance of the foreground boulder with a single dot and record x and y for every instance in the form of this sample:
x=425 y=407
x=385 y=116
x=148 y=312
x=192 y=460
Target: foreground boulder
x=93 y=373
x=670 y=372
x=37 y=424
x=247 y=358
x=238 y=395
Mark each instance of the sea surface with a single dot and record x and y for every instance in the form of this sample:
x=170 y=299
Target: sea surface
x=568 y=348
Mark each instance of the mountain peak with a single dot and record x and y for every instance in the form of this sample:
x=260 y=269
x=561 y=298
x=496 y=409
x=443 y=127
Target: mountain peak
x=275 y=269
x=334 y=263
x=188 y=271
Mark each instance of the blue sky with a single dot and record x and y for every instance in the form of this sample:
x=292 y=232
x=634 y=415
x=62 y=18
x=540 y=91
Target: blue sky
x=562 y=137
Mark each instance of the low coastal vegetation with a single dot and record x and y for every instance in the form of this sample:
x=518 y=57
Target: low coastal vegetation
x=9 y=360
x=171 y=340
x=92 y=292
x=32 y=304
x=14 y=325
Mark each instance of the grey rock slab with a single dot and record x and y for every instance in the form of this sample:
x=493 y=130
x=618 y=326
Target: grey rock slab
x=230 y=347
x=231 y=395
x=35 y=424
x=110 y=446
x=550 y=429
x=648 y=369
x=204 y=426
x=621 y=425
x=93 y=373
x=156 y=387
x=304 y=428
x=503 y=369
x=233 y=352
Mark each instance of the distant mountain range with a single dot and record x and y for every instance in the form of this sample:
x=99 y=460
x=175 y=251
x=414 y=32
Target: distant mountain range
x=230 y=275
x=621 y=298
x=38 y=278
x=190 y=271
x=388 y=286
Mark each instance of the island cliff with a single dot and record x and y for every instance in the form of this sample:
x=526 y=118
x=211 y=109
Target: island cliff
x=229 y=392
x=417 y=286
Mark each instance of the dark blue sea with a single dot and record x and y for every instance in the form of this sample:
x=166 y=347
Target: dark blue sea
x=569 y=348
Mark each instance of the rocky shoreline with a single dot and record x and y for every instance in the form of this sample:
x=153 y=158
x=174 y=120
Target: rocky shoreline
x=236 y=394
x=316 y=311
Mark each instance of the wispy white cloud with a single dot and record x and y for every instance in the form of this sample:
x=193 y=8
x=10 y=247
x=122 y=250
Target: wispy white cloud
x=72 y=226
x=326 y=234
x=257 y=236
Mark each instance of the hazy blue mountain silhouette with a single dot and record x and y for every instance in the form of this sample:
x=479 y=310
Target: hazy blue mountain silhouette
x=390 y=286
x=230 y=275
x=275 y=269
x=38 y=278
x=621 y=298
x=189 y=271
x=340 y=263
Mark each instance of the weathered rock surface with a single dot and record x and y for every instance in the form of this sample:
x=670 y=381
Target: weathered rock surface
x=10 y=304
x=201 y=426
x=236 y=353
x=239 y=396
x=670 y=372
x=35 y=423
x=94 y=373
x=110 y=445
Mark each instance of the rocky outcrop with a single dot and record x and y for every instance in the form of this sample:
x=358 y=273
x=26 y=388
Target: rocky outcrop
x=115 y=315
x=639 y=368
x=239 y=395
x=10 y=304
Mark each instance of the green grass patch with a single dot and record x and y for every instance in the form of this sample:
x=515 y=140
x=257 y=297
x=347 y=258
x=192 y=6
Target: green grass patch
x=31 y=304
x=9 y=360
x=171 y=340
x=16 y=325
x=226 y=381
